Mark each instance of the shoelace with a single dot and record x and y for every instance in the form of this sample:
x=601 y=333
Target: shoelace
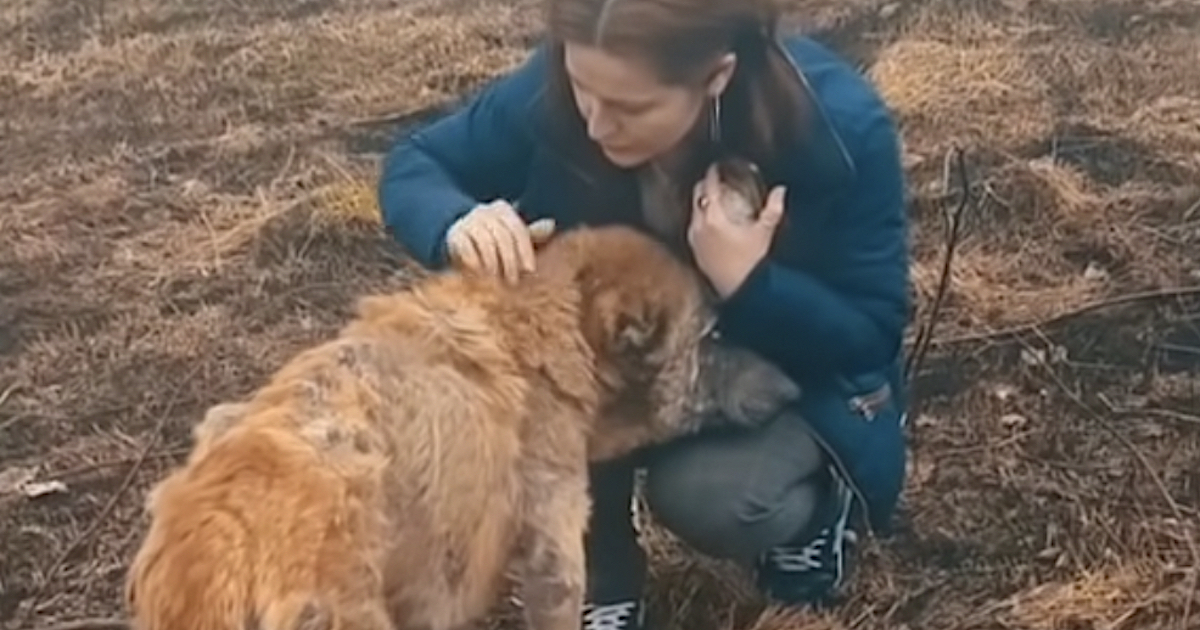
x=802 y=558
x=807 y=558
x=609 y=616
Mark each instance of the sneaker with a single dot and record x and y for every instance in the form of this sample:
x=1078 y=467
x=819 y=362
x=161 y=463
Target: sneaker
x=624 y=615
x=813 y=571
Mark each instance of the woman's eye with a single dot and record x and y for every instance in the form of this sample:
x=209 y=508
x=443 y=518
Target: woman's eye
x=634 y=110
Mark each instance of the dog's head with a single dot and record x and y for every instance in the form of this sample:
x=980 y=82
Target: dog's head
x=664 y=369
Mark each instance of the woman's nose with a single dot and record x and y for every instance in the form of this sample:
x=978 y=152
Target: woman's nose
x=599 y=124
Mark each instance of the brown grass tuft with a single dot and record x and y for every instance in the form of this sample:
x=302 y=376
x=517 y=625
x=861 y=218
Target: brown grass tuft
x=956 y=92
x=351 y=198
x=1096 y=599
x=1171 y=123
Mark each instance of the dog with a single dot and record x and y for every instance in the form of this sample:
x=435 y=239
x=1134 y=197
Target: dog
x=394 y=475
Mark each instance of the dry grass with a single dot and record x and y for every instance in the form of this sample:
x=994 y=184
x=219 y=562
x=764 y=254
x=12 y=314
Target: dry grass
x=186 y=201
x=950 y=92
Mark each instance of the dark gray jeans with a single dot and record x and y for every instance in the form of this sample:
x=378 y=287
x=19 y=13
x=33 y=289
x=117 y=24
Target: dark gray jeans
x=729 y=494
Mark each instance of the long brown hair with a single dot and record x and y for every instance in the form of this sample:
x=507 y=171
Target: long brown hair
x=761 y=110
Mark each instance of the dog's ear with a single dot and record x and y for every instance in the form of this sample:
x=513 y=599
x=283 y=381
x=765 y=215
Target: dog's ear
x=640 y=331
x=633 y=333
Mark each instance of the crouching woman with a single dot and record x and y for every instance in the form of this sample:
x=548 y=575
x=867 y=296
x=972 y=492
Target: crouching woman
x=616 y=119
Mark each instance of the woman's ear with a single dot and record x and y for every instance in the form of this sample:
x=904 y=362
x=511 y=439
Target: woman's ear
x=722 y=74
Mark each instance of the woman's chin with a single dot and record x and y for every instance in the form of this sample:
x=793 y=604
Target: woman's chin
x=624 y=159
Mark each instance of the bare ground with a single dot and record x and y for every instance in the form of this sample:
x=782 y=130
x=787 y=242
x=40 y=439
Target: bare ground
x=187 y=199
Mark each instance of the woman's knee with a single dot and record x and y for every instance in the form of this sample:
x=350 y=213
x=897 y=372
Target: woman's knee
x=723 y=521
x=732 y=498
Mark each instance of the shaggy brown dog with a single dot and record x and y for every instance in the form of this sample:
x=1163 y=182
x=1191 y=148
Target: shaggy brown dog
x=389 y=478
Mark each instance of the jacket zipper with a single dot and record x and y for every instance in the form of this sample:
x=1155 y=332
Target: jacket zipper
x=856 y=403
x=812 y=97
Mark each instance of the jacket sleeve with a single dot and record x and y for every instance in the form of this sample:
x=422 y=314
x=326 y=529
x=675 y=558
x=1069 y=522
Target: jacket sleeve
x=852 y=317
x=477 y=154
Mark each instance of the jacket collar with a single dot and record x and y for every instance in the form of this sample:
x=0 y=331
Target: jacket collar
x=820 y=159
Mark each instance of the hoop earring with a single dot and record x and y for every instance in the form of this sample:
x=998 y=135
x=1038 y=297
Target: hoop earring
x=714 y=120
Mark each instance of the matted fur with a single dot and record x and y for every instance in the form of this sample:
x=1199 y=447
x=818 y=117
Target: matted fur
x=392 y=477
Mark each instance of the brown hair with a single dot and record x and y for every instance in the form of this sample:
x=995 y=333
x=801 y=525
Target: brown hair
x=761 y=110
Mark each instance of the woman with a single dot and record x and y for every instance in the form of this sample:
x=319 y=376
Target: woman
x=616 y=118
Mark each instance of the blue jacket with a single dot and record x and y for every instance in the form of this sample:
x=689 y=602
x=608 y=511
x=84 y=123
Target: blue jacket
x=829 y=304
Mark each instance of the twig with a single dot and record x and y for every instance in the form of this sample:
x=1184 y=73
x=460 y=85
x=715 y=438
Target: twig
x=126 y=483
x=406 y=118
x=1108 y=426
x=3 y=399
x=1192 y=209
x=8 y=392
x=1178 y=348
x=12 y=421
x=953 y=224
x=112 y=463
x=1178 y=416
x=995 y=335
x=91 y=623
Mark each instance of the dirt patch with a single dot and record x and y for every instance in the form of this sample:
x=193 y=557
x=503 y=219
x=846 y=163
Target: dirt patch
x=188 y=199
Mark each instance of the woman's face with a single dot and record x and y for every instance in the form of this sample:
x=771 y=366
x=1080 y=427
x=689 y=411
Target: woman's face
x=629 y=112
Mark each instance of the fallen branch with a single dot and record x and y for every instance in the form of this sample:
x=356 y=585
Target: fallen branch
x=113 y=463
x=92 y=623
x=1119 y=300
x=1168 y=414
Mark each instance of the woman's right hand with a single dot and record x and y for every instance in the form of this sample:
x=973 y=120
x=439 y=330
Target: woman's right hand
x=492 y=238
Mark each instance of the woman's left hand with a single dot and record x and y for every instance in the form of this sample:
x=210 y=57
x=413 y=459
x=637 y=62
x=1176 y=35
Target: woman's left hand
x=727 y=251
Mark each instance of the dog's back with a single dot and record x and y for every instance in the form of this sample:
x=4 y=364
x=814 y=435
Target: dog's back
x=397 y=442
x=242 y=539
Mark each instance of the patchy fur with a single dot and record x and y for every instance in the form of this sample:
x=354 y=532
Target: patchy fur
x=392 y=476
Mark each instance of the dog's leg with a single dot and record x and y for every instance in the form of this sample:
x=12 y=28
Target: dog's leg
x=554 y=569
x=363 y=612
x=368 y=616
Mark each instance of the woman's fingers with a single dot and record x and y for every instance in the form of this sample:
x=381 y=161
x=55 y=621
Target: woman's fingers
x=520 y=256
x=461 y=246
x=493 y=239
x=490 y=240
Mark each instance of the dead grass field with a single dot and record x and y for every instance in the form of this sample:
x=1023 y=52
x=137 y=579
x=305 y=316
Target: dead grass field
x=186 y=198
